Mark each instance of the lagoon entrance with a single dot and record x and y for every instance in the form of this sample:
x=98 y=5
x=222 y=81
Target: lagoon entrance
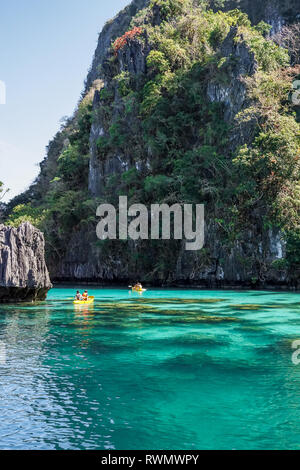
x=169 y=369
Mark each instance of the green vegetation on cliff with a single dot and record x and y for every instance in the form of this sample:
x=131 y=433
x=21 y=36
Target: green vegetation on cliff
x=235 y=149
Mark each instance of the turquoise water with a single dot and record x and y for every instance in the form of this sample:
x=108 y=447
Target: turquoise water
x=171 y=369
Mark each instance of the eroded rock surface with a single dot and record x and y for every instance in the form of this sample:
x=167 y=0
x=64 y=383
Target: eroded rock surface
x=23 y=272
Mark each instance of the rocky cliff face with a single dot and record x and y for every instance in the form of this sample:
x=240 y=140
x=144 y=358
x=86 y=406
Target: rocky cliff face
x=275 y=12
x=249 y=261
x=233 y=93
x=132 y=59
x=23 y=271
x=113 y=29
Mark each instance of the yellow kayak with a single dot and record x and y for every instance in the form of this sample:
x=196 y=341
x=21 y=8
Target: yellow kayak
x=84 y=302
x=138 y=290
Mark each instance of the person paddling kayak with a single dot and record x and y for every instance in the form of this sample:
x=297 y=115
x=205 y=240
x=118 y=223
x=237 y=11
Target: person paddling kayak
x=137 y=286
x=85 y=295
x=78 y=296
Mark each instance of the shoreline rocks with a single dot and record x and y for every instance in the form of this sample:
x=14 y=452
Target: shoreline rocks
x=24 y=275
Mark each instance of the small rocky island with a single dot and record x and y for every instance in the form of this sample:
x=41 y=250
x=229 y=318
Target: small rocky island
x=24 y=275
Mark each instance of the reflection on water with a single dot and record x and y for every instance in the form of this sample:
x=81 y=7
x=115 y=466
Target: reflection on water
x=165 y=370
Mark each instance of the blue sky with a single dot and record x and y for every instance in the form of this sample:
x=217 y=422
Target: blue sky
x=47 y=47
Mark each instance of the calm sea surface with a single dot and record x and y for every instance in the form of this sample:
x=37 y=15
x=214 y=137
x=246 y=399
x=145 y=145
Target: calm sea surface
x=169 y=369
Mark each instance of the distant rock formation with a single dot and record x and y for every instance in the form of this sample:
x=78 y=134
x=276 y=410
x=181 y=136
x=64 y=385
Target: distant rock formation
x=23 y=272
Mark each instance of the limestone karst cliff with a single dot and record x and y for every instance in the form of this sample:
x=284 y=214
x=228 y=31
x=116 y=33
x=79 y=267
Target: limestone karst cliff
x=23 y=271
x=188 y=105
x=275 y=12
